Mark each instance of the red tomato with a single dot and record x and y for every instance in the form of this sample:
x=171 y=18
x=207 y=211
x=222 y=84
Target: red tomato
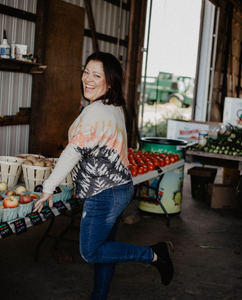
x=133 y=172
x=135 y=166
x=140 y=170
x=132 y=161
x=130 y=150
x=162 y=163
x=129 y=166
x=156 y=162
x=172 y=159
x=176 y=157
x=167 y=161
x=145 y=169
x=151 y=167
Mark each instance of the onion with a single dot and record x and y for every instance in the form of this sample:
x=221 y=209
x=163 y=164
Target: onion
x=57 y=190
x=38 y=188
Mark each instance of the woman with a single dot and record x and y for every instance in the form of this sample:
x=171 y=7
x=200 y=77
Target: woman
x=97 y=156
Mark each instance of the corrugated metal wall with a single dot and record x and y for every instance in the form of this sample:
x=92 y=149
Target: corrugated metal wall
x=16 y=88
x=103 y=10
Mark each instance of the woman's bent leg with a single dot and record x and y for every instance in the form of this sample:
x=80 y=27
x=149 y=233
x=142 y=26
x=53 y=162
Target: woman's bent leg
x=99 y=216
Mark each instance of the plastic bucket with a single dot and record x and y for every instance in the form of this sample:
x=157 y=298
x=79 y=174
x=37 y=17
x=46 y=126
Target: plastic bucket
x=170 y=187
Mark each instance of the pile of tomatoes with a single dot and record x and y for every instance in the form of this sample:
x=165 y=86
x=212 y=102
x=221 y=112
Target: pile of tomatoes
x=141 y=162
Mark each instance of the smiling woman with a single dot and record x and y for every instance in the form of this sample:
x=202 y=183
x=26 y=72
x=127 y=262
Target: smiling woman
x=97 y=157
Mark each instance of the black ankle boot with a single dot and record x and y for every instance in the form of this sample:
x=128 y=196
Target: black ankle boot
x=164 y=263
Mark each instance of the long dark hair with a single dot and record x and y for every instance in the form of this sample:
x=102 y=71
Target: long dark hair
x=114 y=76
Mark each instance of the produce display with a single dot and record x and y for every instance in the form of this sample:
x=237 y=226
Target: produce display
x=19 y=202
x=141 y=161
x=228 y=142
x=38 y=161
x=12 y=198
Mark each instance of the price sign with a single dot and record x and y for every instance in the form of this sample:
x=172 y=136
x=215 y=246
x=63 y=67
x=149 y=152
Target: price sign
x=5 y=230
x=20 y=226
x=74 y=203
x=35 y=218
x=60 y=206
x=47 y=212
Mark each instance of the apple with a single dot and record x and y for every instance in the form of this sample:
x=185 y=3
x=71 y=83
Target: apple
x=20 y=190
x=25 y=198
x=3 y=186
x=10 y=202
x=1 y=206
x=34 y=196
x=10 y=193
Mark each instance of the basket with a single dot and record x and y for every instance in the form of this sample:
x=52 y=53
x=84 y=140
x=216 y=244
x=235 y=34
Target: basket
x=68 y=180
x=10 y=169
x=21 y=178
x=34 y=175
x=8 y=214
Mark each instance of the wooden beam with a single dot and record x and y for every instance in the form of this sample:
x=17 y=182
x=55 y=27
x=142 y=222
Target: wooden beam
x=133 y=68
x=17 y=13
x=229 y=9
x=125 y=6
x=106 y=38
x=92 y=25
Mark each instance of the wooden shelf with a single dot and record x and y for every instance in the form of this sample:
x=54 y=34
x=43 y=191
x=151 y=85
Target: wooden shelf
x=221 y=160
x=13 y=65
x=22 y=117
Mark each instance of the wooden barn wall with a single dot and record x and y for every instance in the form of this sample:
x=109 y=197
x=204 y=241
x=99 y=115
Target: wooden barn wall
x=227 y=78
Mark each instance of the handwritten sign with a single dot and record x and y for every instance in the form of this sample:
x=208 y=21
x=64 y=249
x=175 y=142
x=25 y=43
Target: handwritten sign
x=47 y=212
x=60 y=206
x=5 y=230
x=20 y=226
x=74 y=203
x=35 y=218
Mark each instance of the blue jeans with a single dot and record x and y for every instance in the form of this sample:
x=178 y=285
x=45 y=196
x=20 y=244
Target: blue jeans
x=100 y=218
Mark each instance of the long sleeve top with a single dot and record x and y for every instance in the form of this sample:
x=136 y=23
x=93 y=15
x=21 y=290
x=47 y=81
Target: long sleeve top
x=96 y=154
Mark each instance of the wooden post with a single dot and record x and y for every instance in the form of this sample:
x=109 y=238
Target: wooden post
x=57 y=92
x=92 y=25
x=134 y=65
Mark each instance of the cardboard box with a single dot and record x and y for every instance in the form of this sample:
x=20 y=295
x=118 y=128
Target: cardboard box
x=232 y=111
x=189 y=130
x=221 y=196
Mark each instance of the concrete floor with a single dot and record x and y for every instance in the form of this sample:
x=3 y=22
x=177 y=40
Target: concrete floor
x=200 y=273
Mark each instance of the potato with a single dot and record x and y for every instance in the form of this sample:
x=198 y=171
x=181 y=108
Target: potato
x=38 y=163
x=31 y=157
x=28 y=162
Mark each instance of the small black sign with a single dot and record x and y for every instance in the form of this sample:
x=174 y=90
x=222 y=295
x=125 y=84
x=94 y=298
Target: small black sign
x=20 y=226
x=60 y=206
x=47 y=212
x=74 y=203
x=35 y=218
x=5 y=230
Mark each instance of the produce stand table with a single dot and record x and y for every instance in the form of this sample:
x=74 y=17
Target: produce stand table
x=213 y=159
x=76 y=209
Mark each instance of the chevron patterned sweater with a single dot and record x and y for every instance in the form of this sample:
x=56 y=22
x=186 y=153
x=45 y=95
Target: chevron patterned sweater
x=97 y=152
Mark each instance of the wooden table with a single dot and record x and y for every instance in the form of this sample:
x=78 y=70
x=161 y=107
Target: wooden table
x=212 y=159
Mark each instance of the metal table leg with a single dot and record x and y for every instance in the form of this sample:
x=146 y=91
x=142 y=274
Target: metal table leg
x=46 y=234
